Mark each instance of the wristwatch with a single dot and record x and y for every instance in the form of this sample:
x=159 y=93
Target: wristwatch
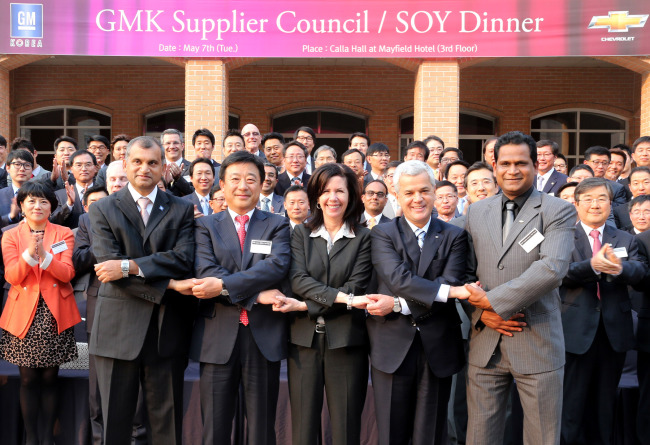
x=125 y=268
x=224 y=291
x=397 y=306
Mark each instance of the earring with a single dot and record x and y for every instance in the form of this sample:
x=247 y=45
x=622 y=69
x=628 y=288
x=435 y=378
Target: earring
x=318 y=205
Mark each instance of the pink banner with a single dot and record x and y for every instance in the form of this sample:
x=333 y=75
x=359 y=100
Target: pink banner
x=333 y=28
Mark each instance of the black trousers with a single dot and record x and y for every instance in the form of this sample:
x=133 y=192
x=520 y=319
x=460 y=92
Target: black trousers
x=411 y=403
x=219 y=386
x=343 y=372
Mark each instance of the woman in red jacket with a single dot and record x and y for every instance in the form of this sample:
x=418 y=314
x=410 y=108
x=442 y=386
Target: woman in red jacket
x=41 y=310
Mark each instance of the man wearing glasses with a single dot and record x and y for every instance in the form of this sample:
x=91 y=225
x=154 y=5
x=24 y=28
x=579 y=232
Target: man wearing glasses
x=378 y=157
x=374 y=198
x=598 y=159
x=307 y=137
x=295 y=161
x=549 y=180
x=252 y=140
x=639 y=181
x=20 y=164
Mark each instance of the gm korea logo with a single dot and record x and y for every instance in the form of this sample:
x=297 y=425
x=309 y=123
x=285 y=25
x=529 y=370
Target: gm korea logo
x=618 y=21
x=26 y=25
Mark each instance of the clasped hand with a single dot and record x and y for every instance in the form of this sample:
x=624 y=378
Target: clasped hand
x=606 y=261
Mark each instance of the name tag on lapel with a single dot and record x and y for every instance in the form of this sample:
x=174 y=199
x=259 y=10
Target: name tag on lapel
x=620 y=252
x=260 y=246
x=59 y=247
x=530 y=241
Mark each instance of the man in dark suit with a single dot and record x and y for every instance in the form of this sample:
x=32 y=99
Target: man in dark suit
x=414 y=329
x=296 y=204
x=143 y=240
x=203 y=141
x=252 y=139
x=83 y=166
x=295 y=160
x=374 y=198
x=242 y=258
x=598 y=159
x=639 y=182
x=202 y=175
x=643 y=343
x=175 y=173
x=639 y=214
x=596 y=316
x=378 y=156
x=269 y=200
x=19 y=165
x=549 y=180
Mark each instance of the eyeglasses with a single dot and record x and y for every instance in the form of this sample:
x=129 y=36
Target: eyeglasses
x=87 y=165
x=603 y=163
x=22 y=165
x=599 y=201
x=218 y=200
x=389 y=176
x=305 y=138
x=449 y=197
x=295 y=157
x=560 y=165
x=381 y=155
x=379 y=195
x=97 y=147
x=448 y=160
x=254 y=133
x=544 y=155
x=637 y=213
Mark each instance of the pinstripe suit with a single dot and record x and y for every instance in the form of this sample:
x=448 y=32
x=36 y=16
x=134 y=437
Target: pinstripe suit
x=516 y=281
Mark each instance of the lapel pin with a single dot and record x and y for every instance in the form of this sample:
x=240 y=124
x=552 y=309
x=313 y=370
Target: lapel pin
x=161 y=208
x=436 y=236
x=519 y=220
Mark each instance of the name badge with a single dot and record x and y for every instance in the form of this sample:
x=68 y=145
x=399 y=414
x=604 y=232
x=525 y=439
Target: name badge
x=59 y=247
x=530 y=241
x=260 y=246
x=620 y=252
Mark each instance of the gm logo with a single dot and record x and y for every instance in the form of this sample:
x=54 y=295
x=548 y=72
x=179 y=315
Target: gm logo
x=26 y=20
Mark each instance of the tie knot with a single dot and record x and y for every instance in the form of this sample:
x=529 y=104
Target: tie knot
x=265 y=199
x=510 y=205
x=143 y=202
x=242 y=219
x=595 y=234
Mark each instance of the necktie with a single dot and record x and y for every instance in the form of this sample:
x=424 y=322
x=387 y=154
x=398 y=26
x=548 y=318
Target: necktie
x=265 y=204
x=143 y=203
x=540 y=183
x=241 y=233
x=461 y=205
x=596 y=248
x=296 y=181
x=372 y=222
x=420 y=234
x=206 y=207
x=510 y=219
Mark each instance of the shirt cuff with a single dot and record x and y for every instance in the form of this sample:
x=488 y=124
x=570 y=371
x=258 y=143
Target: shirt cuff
x=46 y=262
x=443 y=293
x=28 y=259
x=405 y=307
x=140 y=274
x=70 y=207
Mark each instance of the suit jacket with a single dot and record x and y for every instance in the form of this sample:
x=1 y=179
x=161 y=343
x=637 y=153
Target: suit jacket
x=389 y=211
x=277 y=203
x=100 y=178
x=317 y=277
x=516 y=281
x=62 y=214
x=581 y=307
x=643 y=327
x=163 y=250
x=194 y=199
x=403 y=271
x=554 y=183
x=284 y=183
x=622 y=217
x=619 y=191
x=29 y=282
x=218 y=254
x=84 y=261
x=6 y=196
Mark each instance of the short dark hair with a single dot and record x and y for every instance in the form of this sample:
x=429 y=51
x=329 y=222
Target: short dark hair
x=561 y=156
x=215 y=188
x=582 y=167
x=80 y=153
x=240 y=157
x=452 y=164
x=590 y=184
x=597 y=150
x=306 y=130
x=566 y=186
x=516 y=138
x=433 y=137
x=479 y=165
x=624 y=147
x=3 y=141
x=203 y=132
x=377 y=147
x=97 y=188
x=373 y=182
x=640 y=140
x=393 y=164
x=37 y=190
x=421 y=145
x=275 y=167
x=64 y=139
x=272 y=135
x=294 y=144
x=23 y=155
x=230 y=133
x=620 y=152
x=294 y=188
x=487 y=142
x=637 y=201
x=316 y=186
x=98 y=138
x=201 y=161
x=352 y=151
x=638 y=170
x=555 y=148
x=118 y=138
x=447 y=184
x=22 y=143
x=358 y=134
x=454 y=149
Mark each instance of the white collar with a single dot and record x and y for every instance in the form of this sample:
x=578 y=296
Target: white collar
x=588 y=230
x=367 y=216
x=135 y=195
x=234 y=214
x=322 y=232
x=201 y=197
x=415 y=228
x=547 y=175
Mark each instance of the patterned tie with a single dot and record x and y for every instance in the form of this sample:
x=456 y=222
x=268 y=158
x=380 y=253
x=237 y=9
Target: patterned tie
x=510 y=219
x=205 y=205
x=540 y=183
x=265 y=204
x=241 y=233
x=143 y=203
x=595 y=234
x=372 y=222
x=420 y=233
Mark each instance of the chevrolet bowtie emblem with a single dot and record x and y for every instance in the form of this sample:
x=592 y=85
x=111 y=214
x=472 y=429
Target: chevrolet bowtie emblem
x=618 y=21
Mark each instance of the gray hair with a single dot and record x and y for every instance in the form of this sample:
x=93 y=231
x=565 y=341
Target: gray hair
x=412 y=168
x=323 y=148
x=171 y=131
x=145 y=142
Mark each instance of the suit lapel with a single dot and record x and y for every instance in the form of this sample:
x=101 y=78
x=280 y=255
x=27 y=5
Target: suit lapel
x=127 y=205
x=609 y=236
x=158 y=212
x=494 y=223
x=551 y=182
x=526 y=214
x=582 y=243
x=338 y=246
x=410 y=241
x=225 y=229
x=256 y=229
x=431 y=244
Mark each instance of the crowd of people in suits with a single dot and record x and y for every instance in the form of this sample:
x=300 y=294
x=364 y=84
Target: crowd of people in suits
x=508 y=282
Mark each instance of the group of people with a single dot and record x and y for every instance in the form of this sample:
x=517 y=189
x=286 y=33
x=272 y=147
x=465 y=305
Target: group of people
x=444 y=280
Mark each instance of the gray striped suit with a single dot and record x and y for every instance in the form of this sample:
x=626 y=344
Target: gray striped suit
x=516 y=281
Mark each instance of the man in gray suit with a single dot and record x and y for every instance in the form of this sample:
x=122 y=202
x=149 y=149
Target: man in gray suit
x=522 y=240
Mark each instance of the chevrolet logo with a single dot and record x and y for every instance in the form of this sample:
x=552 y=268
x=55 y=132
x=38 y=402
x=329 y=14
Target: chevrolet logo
x=618 y=21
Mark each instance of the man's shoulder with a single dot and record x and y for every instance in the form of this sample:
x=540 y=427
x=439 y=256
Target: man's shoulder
x=448 y=227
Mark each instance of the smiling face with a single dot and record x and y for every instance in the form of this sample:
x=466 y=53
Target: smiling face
x=295 y=160
x=334 y=200
x=515 y=170
x=173 y=147
x=545 y=159
x=241 y=187
x=100 y=150
x=273 y=151
x=203 y=147
x=456 y=175
x=270 y=180
x=446 y=201
x=480 y=185
x=144 y=168
x=593 y=207
x=598 y=164
x=616 y=166
x=374 y=198
x=36 y=210
x=202 y=178
x=639 y=183
x=640 y=216
x=297 y=206
x=416 y=196
x=641 y=154
x=252 y=137
x=119 y=150
x=306 y=139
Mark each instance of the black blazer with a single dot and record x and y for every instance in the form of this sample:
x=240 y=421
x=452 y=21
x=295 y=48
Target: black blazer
x=62 y=213
x=403 y=271
x=554 y=183
x=195 y=202
x=163 y=250
x=581 y=308
x=284 y=183
x=317 y=277
x=218 y=254
x=643 y=327
x=622 y=217
x=84 y=262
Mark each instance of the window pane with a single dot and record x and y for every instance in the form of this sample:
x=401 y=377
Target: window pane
x=558 y=121
x=338 y=144
x=566 y=141
x=472 y=149
x=607 y=140
x=406 y=125
x=291 y=122
x=593 y=121
x=233 y=122
x=42 y=139
x=81 y=135
x=470 y=124
x=85 y=118
x=161 y=122
x=48 y=118
x=331 y=122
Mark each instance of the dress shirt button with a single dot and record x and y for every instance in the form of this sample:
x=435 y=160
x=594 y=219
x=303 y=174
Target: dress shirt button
x=500 y=266
x=54 y=285
x=25 y=288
